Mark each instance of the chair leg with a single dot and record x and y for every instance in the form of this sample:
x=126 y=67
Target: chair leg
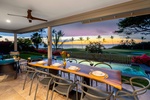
x=31 y=83
x=77 y=92
x=47 y=93
x=25 y=81
x=67 y=96
x=52 y=94
x=36 y=91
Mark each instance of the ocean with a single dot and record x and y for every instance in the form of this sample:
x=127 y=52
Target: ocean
x=80 y=46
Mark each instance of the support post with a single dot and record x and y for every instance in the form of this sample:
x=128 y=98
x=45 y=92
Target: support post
x=15 y=41
x=49 y=51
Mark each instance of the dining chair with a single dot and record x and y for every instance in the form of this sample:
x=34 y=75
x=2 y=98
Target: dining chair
x=137 y=88
x=72 y=60
x=63 y=86
x=31 y=73
x=91 y=93
x=45 y=79
x=104 y=65
x=86 y=62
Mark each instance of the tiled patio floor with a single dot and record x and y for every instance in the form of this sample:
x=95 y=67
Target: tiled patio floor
x=11 y=89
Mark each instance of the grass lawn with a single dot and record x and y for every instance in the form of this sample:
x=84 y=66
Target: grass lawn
x=114 y=51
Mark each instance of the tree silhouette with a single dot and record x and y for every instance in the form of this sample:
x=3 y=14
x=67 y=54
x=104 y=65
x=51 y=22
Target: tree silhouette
x=56 y=37
x=87 y=38
x=99 y=37
x=36 y=39
x=112 y=37
x=134 y=25
x=143 y=38
x=81 y=39
x=72 y=39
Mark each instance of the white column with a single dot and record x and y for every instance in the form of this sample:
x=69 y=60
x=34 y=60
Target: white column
x=49 y=45
x=15 y=41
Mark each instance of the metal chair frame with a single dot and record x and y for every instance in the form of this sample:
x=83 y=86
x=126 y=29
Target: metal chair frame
x=85 y=90
x=65 y=83
x=135 y=91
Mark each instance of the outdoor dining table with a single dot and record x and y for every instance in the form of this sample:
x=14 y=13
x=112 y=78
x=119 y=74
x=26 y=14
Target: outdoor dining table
x=113 y=76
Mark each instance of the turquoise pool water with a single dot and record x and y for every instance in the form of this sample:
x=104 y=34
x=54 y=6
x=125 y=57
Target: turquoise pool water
x=126 y=69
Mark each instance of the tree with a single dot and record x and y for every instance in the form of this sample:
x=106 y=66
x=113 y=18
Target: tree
x=0 y=36
x=104 y=40
x=134 y=25
x=36 y=39
x=81 y=39
x=56 y=37
x=24 y=43
x=143 y=38
x=87 y=38
x=112 y=39
x=99 y=37
x=6 y=39
x=94 y=47
x=72 y=39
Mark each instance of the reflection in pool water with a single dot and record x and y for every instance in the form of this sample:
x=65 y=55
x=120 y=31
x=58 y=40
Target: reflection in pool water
x=126 y=69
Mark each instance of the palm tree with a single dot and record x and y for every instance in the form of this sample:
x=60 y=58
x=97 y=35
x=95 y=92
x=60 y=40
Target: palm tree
x=112 y=37
x=81 y=39
x=56 y=36
x=143 y=38
x=99 y=37
x=72 y=39
x=104 y=40
x=122 y=42
x=87 y=38
x=127 y=41
x=36 y=39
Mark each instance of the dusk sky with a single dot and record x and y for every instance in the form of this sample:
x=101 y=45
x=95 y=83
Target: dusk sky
x=105 y=29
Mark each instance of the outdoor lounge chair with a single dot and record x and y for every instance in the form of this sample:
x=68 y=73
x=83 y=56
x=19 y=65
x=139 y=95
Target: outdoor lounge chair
x=125 y=94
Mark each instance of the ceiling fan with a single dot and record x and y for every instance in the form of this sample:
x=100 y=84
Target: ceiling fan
x=29 y=16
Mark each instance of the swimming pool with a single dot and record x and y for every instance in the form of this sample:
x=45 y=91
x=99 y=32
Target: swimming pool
x=126 y=69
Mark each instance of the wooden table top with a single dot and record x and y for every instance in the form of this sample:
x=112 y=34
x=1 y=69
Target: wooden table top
x=114 y=76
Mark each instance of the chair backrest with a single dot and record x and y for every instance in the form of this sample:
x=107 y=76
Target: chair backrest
x=144 y=84
x=72 y=60
x=61 y=81
x=86 y=62
x=44 y=77
x=85 y=91
x=103 y=65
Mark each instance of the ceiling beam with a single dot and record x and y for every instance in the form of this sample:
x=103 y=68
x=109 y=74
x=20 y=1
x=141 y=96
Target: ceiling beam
x=121 y=10
x=7 y=31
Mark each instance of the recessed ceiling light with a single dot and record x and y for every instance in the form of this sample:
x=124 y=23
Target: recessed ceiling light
x=8 y=21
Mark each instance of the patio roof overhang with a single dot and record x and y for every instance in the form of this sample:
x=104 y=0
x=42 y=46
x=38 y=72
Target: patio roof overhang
x=127 y=9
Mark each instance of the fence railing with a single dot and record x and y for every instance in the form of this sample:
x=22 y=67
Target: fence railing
x=117 y=58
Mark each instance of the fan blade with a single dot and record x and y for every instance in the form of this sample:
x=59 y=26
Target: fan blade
x=17 y=15
x=35 y=18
